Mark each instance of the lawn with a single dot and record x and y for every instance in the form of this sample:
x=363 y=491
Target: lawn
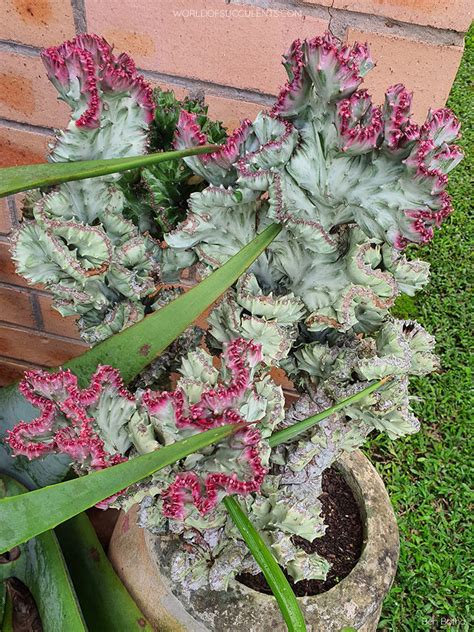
x=428 y=474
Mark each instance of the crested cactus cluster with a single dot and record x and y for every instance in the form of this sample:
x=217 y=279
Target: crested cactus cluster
x=95 y=243
x=352 y=185
x=105 y=423
x=78 y=242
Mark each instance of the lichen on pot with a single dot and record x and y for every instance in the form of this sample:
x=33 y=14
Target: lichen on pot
x=143 y=561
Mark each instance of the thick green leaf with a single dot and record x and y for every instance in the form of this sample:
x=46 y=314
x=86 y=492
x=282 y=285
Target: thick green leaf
x=289 y=433
x=103 y=598
x=133 y=349
x=41 y=567
x=16 y=179
x=277 y=581
x=25 y=516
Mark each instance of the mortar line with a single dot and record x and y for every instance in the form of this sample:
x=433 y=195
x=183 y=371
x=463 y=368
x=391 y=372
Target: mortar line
x=11 y=205
x=79 y=16
x=209 y=87
x=27 y=127
x=10 y=46
x=37 y=314
x=24 y=288
x=59 y=337
x=22 y=363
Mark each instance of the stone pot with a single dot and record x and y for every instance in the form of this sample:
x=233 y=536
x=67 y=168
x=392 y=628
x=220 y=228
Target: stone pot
x=141 y=560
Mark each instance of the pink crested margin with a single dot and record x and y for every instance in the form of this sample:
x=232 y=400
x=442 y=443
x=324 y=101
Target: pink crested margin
x=426 y=149
x=216 y=407
x=344 y=65
x=360 y=124
x=66 y=425
x=189 y=134
x=294 y=91
x=429 y=162
x=398 y=128
x=89 y=59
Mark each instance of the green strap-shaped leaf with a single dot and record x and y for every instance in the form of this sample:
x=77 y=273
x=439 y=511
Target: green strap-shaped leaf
x=133 y=349
x=277 y=581
x=289 y=433
x=40 y=565
x=103 y=598
x=16 y=179
x=6 y=614
x=25 y=516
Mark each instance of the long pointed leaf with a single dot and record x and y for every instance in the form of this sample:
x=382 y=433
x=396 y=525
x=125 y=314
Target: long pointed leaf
x=133 y=349
x=103 y=598
x=7 y=613
x=289 y=433
x=25 y=516
x=277 y=581
x=16 y=179
x=40 y=566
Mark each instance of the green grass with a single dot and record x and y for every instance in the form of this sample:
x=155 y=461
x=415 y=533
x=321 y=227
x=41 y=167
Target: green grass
x=428 y=474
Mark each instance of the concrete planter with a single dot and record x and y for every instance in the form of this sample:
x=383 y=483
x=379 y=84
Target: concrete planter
x=142 y=561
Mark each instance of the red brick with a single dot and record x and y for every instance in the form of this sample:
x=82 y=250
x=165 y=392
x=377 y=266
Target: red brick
x=21 y=147
x=16 y=307
x=231 y=112
x=26 y=95
x=427 y=69
x=5 y=217
x=238 y=51
x=37 y=347
x=12 y=370
x=36 y=22
x=446 y=14
x=7 y=267
x=55 y=323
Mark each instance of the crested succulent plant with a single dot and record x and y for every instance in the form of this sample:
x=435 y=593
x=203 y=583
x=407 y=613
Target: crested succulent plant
x=79 y=243
x=105 y=423
x=352 y=184
x=94 y=243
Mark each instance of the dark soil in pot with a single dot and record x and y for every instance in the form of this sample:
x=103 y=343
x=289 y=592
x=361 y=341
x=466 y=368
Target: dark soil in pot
x=341 y=545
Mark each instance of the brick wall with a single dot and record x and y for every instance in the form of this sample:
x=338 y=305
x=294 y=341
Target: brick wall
x=231 y=49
